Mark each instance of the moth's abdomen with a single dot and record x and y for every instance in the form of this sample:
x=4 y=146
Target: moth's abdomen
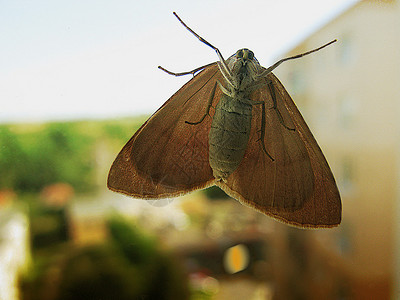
x=229 y=136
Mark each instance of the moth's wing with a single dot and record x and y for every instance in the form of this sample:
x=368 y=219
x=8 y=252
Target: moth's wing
x=298 y=187
x=167 y=157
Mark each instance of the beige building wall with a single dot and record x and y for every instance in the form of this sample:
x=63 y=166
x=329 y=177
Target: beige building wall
x=349 y=94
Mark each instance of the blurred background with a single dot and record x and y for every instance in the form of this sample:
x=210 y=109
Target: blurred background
x=77 y=79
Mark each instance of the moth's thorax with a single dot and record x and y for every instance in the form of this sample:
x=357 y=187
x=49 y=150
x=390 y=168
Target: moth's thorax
x=244 y=68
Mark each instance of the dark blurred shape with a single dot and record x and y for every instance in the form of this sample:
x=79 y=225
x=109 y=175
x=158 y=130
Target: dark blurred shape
x=49 y=226
x=98 y=272
x=215 y=193
x=165 y=278
x=130 y=266
x=49 y=217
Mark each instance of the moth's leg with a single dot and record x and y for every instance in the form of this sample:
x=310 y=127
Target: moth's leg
x=261 y=139
x=227 y=75
x=258 y=84
x=275 y=106
x=224 y=90
x=186 y=73
x=262 y=130
x=209 y=104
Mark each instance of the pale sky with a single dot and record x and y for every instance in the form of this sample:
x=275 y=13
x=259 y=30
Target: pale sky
x=98 y=59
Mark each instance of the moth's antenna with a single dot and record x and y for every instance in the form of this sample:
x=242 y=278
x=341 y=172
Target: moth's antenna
x=199 y=37
x=271 y=68
x=225 y=70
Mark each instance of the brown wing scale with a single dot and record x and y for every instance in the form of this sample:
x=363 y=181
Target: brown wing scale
x=166 y=156
x=298 y=187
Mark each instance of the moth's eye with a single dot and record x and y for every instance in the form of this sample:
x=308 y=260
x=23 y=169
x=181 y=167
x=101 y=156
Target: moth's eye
x=250 y=55
x=239 y=53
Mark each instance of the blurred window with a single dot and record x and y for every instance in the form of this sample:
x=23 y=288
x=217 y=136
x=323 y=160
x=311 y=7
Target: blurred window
x=346 y=179
x=345 y=50
x=348 y=108
x=297 y=82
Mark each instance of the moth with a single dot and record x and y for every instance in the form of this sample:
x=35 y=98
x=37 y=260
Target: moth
x=235 y=126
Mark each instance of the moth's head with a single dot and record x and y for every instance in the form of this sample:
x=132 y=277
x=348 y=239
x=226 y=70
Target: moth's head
x=244 y=67
x=244 y=54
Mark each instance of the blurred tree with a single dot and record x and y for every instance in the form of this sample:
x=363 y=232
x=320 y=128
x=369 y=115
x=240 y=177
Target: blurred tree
x=60 y=152
x=12 y=158
x=121 y=129
x=33 y=156
x=64 y=153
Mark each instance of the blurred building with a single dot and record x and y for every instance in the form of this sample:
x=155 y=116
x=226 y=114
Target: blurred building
x=349 y=95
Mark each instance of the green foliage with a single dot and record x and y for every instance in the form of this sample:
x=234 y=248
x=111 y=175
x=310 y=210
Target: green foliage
x=122 y=129
x=137 y=247
x=32 y=159
x=12 y=159
x=33 y=156
x=99 y=272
